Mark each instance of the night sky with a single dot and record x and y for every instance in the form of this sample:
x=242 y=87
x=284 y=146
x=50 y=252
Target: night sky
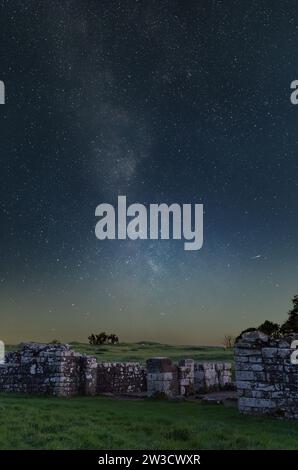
x=161 y=101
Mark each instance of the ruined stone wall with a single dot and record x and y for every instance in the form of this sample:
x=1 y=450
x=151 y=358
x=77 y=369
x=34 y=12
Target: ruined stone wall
x=87 y=375
x=41 y=369
x=212 y=376
x=267 y=382
x=55 y=369
x=187 y=378
x=162 y=377
x=121 y=378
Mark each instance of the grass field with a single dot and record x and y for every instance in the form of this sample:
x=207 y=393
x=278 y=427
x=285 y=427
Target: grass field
x=106 y=423
x=143 y=350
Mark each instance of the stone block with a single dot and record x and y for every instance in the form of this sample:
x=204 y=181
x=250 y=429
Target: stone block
x=244 y=375
x=256 y=402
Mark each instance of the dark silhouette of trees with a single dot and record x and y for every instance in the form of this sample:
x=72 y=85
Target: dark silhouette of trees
x=113 y=339
x=291 y=324
x=270 y=328
x=103 y=338
x=92 y=339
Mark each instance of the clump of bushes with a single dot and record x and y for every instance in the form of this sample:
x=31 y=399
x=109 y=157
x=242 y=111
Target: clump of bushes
x=103 y=338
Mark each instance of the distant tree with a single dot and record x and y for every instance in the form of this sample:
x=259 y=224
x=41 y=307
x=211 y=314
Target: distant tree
x=92 y=339
x=101 y=338
x=55 y=341
x=270 y=328
x=229 y=341
x=291 y=324
x=113 y=339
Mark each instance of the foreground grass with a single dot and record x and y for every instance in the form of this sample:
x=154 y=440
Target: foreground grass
x=105 y=423
x=142 y=351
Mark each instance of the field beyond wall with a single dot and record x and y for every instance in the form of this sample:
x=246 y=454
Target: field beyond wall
x=143 y=350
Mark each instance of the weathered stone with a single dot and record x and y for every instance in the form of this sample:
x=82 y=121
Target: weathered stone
x=256 y=402
x=244 y=375
x=254 y=337
x=121 y=378
x=247 y=352
x=267 y=383
x=249 y=367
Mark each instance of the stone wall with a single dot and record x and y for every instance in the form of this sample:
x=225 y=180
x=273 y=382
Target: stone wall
x=55 y=369
x=42 y=369
x=212 y=376
x=267 y=382
x=162 y=377
x=121 y=378
x=187 y=377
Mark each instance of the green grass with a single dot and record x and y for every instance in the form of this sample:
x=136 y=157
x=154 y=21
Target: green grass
x=143 y=350
x=105 y=423
x=10 y=347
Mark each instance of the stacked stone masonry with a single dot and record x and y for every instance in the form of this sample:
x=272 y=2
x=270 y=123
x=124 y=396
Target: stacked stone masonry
x=55 y=369
x=121 y=378
x=266 y=380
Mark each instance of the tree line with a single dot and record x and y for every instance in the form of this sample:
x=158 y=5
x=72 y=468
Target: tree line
x=103 y=338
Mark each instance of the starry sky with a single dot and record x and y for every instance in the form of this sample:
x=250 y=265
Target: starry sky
x=162 y=101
